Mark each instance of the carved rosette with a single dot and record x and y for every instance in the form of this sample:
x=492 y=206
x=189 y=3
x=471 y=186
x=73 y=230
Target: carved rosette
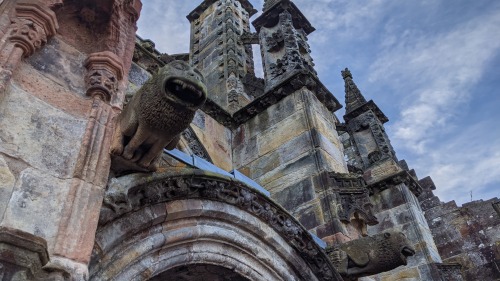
x=33 y=25
x=105 y=70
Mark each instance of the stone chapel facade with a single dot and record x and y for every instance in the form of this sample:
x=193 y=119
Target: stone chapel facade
x=265 y=183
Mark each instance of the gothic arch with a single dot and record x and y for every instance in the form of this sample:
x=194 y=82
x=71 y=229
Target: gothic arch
x=170 y=223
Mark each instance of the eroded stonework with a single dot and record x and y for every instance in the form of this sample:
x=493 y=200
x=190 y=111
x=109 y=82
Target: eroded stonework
x=262 y=179
x=156 y=115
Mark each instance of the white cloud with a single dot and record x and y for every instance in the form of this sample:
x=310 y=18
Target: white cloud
x=165 y=23
x=465 y=164
x=441 y=69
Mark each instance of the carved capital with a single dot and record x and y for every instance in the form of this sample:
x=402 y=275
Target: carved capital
x=105 y=70
x=22 y=255
x=33 y=25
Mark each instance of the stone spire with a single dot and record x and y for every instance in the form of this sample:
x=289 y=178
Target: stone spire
x=353 y=96
x=355 y=102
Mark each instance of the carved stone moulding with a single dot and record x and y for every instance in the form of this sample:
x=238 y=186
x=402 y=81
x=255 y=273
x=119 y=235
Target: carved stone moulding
x=402 y=177
x=134 y=192
x=294 y=82
x=271 y=15
x=356 y=202
x=22 y=255
x=449 y=271
x=195 y=145
x=354 y=198
x=370 y=105
x=249 y=38
x=33 y=25
x=105 y=70
x=195 y=14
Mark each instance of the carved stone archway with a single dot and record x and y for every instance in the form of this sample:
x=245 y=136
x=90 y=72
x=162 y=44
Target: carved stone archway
x=169 y=223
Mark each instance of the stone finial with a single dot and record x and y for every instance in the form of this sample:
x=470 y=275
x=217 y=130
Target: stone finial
x=346 y=73
x=353 y=97
x=105 y=70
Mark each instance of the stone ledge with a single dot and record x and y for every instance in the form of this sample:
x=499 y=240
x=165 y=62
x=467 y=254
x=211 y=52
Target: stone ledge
x=402 y=177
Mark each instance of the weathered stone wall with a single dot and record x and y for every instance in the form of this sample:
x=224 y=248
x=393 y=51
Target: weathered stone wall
x=285 y=148
x=468 y=235
x=397 y=209
x=59 y=91
x=216 y=139
x=42 y=121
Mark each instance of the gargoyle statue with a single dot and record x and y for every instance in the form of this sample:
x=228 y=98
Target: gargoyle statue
x=156 y=115
x=371 y=255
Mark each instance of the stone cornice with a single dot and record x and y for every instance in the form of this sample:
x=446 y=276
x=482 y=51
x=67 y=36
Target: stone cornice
x=370 y=105
x=402 y=177
x=134 y=192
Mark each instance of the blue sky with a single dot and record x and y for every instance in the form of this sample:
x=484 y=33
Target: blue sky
x=432 y=66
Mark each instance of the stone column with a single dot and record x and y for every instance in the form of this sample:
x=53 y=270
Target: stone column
x=34 y=23
x=105 y=81
x=77 y=228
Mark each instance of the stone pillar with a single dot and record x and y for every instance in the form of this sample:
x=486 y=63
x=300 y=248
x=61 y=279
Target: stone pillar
x=77 y=228
x=33 y=24
x=106 y=81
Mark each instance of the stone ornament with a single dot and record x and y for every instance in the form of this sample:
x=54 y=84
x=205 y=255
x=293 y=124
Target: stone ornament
x=33 y=25
x=134 y=192
x=156 y=116
x=371 y=255
x=105 y=70
x=402 y=177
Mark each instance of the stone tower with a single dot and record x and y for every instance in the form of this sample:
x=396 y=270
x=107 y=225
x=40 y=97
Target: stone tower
x=218 y=51
x=394 y=189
